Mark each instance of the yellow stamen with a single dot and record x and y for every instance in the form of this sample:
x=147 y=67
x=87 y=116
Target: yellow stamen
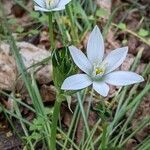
x=48 y=2
x=99 y=71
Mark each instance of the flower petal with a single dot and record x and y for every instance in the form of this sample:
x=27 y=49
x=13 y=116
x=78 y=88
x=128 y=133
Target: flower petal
x=58 y=8
x=80 y=59
x=40 y=3
x=95 y=46
x=76 y=82
x=101 y=87
x=37 y=8
x=62 y=3
x=120 y=78
x=115 y=58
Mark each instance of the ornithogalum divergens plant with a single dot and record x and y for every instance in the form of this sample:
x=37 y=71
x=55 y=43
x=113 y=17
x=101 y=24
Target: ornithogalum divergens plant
x=70 y=110
x=99 y=71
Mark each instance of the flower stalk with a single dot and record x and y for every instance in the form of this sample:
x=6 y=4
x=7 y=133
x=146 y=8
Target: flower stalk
x=54 y=122
x=73 y=28
x=51 y=34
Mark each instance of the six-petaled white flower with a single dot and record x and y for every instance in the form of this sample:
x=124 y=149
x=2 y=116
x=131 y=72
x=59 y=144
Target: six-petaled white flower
x=50 y=5
x=99 y=71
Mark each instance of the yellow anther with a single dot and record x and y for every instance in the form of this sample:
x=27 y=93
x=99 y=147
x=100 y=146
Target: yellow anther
x=49 y=2
x=99 y=71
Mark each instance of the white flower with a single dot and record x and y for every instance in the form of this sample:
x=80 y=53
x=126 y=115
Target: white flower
x=50 y=5
x=99 y=71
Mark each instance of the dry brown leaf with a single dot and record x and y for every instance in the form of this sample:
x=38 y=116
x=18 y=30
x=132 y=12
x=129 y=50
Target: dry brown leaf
x=133 y=43
x=111 y=40
x=17 y=10
x=8 y=140
x=44 y=75
x=131 y=144
x=48 y=93
x=44 y=39
x=140 y=68
x=67 y=117
x=13 y=11
x=9 y=104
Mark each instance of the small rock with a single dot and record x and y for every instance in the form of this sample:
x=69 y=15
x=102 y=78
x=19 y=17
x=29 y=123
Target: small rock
x=30 y=55
x=44 y=75
x=133 y=43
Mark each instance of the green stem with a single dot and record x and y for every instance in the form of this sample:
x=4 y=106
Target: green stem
x=91 y=6
x=73 y=28
x=54 y=122
x=89 y=103
x=51 y=34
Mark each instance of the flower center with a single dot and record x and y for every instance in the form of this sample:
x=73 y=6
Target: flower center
x=98 y=70
x=51 y=3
